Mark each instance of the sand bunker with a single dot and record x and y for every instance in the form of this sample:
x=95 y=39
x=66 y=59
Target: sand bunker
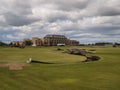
x=14 y=66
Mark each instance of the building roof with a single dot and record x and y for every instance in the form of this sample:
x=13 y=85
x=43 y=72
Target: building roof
x=53 y=35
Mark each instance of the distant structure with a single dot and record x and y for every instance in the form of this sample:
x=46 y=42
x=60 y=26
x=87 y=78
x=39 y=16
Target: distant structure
x=18 y=44
x=73 y=42
x=54 y=40
x=27 y=42
x=48 y=40
x=37 y=41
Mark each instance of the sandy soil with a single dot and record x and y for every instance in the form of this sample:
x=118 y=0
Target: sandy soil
x=14 y=66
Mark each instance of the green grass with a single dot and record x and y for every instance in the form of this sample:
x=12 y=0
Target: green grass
x=70 y=74
x=49 y=54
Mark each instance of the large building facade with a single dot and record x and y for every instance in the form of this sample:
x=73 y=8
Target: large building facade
x=49 y=40
x=54 y=40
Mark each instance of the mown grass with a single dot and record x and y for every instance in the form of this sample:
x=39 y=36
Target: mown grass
x=70 y=74
x=43 y=54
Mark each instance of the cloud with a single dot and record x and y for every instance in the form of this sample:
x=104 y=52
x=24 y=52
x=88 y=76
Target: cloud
x=84 y=20
x=18 y=20
x=72 y=4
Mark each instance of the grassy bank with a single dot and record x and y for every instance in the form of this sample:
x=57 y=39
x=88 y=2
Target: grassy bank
x=70 y=74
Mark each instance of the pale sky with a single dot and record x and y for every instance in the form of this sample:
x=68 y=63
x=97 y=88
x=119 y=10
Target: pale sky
x=87 y=21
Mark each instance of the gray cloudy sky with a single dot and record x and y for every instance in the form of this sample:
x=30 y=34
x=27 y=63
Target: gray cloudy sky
x=85 y=20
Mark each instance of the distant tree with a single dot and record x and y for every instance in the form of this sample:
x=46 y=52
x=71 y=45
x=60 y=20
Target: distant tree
x=118 y=44
x=81 y=44
x=114 y=45
x=3 y=44
x=102 y=43
x=28 y=43
x=10 y=44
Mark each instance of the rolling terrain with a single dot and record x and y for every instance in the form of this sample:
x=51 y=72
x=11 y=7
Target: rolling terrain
x=69 y=72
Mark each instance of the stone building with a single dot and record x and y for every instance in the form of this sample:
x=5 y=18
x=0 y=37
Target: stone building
x=18 y=44
x=21 y=44
x=48 y=40
x=54 y=40
x=15 y=43
x=37 y=41
x=73 y=42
